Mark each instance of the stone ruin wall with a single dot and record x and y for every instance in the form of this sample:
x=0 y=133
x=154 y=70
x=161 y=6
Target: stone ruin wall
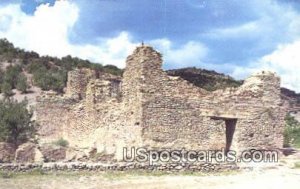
x=149 y=108
x=52 y=114
x=201 y=122
x=92 y=121
x=177 y=114
x=78 y=81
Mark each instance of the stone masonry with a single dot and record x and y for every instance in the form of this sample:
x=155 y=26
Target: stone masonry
x=148 y=108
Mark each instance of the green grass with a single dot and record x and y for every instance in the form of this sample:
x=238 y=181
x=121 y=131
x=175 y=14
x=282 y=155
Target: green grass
x=110 y=175
x=6 y=175
x=297 y=165
x=62 y=142
x=116 y=175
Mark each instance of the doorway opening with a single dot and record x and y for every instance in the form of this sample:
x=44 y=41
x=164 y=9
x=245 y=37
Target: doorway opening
x=230 y=125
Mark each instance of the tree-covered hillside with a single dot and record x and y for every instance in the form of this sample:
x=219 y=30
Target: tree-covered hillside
x=209 y=80
x=19 y=69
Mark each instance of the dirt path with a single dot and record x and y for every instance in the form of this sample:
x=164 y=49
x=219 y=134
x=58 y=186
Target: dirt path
x=282 y=175
x=279 y=177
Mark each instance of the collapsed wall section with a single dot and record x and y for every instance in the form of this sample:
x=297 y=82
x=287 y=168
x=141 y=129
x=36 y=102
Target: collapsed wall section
x=77 y=82
x=263 y=123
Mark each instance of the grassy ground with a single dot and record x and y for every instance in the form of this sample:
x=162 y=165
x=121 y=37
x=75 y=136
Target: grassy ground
x=285 y=174
x=110 y=175
x=283 y=178
x=112 y=179
x=297 y=165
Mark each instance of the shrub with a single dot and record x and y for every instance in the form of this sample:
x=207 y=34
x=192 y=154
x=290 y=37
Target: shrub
x=1 y=78
x=112 y=70
x=16 y=125
x=11 y=75
x=35 y=66
x=62 y=142
x=50 y=80
x=7 y=50
x=22 y=83
x=291 y=132
x=6 y=89
x=297 y=165
x=1 y=74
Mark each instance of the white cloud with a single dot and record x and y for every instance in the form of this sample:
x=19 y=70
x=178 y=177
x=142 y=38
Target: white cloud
x=239 y=31
x=272 y=22
x=285 y=61
x=108 y=51
x=192 y=53
x=48 y=29
x=45 y=32
x=276 y=25
x=186 y=55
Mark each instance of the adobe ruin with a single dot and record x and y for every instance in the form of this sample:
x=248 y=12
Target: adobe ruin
x=148 y=108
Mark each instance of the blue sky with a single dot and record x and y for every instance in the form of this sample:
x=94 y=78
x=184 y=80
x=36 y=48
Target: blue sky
x=237 y=37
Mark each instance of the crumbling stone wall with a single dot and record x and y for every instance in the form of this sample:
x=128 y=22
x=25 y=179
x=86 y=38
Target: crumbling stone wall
x=52 y=116
x=77 y=82
x=177 y=114
x=146 y=107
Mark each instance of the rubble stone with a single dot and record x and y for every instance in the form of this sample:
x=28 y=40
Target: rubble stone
x=26 y=153
x=7 y=152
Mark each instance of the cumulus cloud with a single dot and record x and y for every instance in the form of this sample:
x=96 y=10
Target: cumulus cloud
x=277 y=26
x=285 y=61
x=186 y=55
x=271 y=19
x=108 y=51
x=48 y=29
x=47 y=32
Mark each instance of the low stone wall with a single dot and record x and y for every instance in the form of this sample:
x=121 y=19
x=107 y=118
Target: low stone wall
x=83 y=166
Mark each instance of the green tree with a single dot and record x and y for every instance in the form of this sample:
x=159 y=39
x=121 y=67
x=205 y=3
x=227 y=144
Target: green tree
x=22 y=83
x=7 y=50
x=16 y=125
